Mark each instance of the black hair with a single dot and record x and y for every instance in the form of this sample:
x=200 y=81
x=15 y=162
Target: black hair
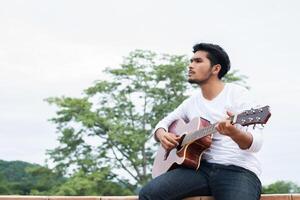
x=216 y=55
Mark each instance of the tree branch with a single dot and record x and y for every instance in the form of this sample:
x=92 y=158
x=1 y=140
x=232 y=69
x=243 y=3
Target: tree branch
x=123 y=166
x=128 y=158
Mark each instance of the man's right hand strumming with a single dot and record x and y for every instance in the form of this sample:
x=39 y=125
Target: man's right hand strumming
x=167 y=140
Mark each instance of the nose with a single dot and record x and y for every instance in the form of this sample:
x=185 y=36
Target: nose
x=190 y=66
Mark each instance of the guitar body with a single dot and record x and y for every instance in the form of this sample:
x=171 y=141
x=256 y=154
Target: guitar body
x=188 y=155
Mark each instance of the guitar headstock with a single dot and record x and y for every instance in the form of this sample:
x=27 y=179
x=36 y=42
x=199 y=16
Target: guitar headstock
x=253 y=116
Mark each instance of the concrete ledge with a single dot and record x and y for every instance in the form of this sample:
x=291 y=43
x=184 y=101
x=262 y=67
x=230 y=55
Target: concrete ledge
x=16 y=197
x=263 y=197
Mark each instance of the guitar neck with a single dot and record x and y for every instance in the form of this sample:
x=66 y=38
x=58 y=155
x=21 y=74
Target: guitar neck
x=246 y=118
x=191 y=137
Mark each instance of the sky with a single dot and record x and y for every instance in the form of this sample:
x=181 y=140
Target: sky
x=60 y=47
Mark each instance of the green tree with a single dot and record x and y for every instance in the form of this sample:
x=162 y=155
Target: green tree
x=281 y=187
x=18 y=177
x=110 y=126
x=44 y=180
x=96 y=183
x=15 y=176
x=4 y=187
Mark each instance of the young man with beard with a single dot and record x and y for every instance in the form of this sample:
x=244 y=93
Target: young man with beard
x=229 y=168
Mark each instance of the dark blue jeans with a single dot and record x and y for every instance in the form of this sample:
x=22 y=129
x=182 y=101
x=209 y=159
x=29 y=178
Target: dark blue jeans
x=220 y=181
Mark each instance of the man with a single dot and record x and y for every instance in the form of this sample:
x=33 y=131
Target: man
x=229 y=169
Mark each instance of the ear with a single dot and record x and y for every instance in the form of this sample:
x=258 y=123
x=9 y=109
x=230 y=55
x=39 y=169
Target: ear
x=216 y=69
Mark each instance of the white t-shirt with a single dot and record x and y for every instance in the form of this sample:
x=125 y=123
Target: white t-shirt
x=223 y=149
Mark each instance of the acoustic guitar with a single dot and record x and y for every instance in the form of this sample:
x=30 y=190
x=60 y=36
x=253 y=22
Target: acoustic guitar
x=195 y=138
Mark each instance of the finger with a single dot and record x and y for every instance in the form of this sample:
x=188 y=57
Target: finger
x=230 y=114
x=168 y=147
x=219 y=128
x=165 y=146
x=172 y=135
x=172 y=138
x=168 y=143
x=221 y=124
x=229 y=125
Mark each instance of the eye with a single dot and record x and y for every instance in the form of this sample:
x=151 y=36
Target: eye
x=196 y=60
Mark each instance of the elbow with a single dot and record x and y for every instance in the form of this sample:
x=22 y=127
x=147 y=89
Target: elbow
x=256 y=144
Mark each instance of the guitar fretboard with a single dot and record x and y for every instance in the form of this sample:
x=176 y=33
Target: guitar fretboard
x=191 y=137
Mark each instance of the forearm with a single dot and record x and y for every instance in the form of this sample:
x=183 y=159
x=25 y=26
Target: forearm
x=243 y=139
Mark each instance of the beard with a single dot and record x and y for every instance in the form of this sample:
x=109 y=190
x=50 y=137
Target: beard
x=194 y=81
x=200 y=81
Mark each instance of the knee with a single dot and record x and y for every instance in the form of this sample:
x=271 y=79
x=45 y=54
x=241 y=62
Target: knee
x=150 y=192
x=145 y=193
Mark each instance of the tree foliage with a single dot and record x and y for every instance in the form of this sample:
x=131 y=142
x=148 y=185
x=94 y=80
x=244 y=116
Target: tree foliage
x=281 y=187
x=110 y=126
x=32 y=179
x=18 y=177
x=96 y=183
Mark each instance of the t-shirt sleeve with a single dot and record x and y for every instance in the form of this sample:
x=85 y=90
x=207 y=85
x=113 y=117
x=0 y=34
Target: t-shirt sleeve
x=178 y=113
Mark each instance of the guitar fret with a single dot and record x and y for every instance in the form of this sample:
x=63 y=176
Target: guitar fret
x=199 y=134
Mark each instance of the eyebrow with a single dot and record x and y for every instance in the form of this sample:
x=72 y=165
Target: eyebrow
x=196 y=58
